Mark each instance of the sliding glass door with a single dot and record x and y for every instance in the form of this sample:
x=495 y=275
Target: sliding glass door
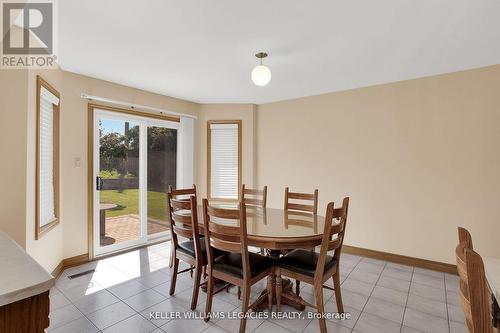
x=135 y=161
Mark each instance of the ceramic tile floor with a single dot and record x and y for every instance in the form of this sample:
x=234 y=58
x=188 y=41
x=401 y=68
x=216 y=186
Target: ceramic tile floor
x=122 y=292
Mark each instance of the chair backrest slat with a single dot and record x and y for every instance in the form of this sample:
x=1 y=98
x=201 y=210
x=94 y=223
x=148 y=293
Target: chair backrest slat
x=334 y=244
x=253 y=191
x=254 y=202
x=473 y=285
x=254 y=197
x=223 y=213
x=185 y=191
x=301 y=206
x=182 y=194
x=337 y=228
x=223 y=245
x=221 y=235
x=184 y=217
x=218 y=228
x=335 y=224
x=179 y=204
x=182 y=230
x=300 y=196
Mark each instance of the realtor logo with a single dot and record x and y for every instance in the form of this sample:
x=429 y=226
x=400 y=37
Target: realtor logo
x=27 y=35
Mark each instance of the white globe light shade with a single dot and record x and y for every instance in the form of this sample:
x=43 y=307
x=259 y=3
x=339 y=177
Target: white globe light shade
x=261 y=75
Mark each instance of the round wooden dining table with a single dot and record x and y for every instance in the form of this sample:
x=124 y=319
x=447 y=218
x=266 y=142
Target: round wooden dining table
x=276 y=231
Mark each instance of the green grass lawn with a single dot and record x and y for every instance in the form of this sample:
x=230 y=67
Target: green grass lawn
x=128 y=203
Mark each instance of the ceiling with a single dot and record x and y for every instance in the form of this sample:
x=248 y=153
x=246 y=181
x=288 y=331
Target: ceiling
x=203 y=51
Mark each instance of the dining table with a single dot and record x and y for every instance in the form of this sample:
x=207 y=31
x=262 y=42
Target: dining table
x=103 y=207
x=277 y=231
x=492 y=272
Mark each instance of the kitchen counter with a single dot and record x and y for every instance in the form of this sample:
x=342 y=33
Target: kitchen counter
x=21 y=276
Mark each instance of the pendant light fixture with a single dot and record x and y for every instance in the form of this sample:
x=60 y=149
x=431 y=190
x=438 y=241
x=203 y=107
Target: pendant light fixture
x=261 y=75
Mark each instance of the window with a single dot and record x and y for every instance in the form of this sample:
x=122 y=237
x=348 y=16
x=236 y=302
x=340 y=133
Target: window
x=224 y=159
x=47 y=157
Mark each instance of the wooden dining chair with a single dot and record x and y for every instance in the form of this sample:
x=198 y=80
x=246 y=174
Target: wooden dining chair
x=182 y=194
x=238 y=267
x=184 y=223
x=473 y=289
x=297 y=203
x=316 y=268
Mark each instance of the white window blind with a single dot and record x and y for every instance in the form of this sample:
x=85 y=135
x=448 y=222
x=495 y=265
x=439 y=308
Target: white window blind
x=185 y=153
x=224 y=167
x=47 y=213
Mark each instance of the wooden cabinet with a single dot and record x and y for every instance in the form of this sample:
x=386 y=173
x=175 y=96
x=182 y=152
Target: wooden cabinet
x=29 y=315
x=24 y=290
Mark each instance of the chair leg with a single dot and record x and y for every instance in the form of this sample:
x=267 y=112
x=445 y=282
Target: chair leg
x=338 y=294
x=210 y=295
x=196 y=286
x=239 y=292
x=279 y=289
x=321 y=308
x=245 y=301
x=174 y=276
x=297 y=287
x=172 y=255
x=191 y=271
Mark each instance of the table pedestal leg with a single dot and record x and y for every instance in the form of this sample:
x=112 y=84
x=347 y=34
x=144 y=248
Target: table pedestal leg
x=288 y=297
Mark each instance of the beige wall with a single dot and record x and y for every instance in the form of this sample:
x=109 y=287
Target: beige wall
x=418 y=158
x=13 y=103
x=244 y=112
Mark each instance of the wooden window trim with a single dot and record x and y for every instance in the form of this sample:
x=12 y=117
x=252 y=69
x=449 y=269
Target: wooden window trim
x=209 y=156
x=40 y=231
x=133 y=112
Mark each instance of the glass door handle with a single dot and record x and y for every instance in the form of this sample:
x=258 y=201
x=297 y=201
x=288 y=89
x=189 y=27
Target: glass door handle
x=99 y=183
